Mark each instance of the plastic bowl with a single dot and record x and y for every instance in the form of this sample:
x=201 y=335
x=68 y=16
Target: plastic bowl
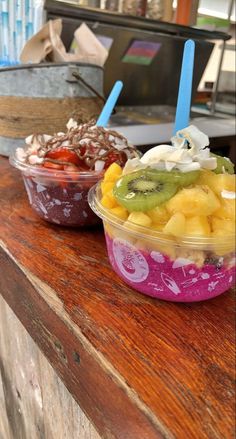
x=189 y=270
x=58 y=196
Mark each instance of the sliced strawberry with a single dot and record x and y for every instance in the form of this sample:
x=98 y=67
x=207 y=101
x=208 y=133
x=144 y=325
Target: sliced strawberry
x=115 y=156
x=65 y=155
x=53 y=166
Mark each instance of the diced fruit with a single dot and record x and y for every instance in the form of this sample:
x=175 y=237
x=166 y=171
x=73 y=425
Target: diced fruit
x=106 y=186
x=108 y=202
x=65 y=155
x=222 y=227
x=143 y=190
x=159 y=214
x=120 y=212
x=140 y=218
x=222 y=248
x=227 y=209
x=50 y=165
x=197 y=226
x=225 y=182
x=115 y=156
x=218 y=182
x=111 y=197
x=206 y=178
x=176 y=225
x=194 y=201
x=157 y=227
x=113 y=172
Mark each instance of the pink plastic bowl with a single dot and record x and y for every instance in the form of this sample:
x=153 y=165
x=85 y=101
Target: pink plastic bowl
x=57 y=196
x=189 y=270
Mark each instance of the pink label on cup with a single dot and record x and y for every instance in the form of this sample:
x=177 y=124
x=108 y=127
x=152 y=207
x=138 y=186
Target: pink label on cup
x=154 y=274
x=130 y=261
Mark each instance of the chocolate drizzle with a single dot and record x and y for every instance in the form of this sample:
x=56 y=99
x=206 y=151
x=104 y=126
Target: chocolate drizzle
x=89 y=142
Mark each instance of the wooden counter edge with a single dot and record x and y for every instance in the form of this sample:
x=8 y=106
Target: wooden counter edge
x=113 y=408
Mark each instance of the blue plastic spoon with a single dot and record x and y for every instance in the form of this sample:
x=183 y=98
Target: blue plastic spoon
x=109 y=105
x=185 y=87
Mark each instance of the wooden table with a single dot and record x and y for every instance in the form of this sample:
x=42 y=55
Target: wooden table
x=139 y=368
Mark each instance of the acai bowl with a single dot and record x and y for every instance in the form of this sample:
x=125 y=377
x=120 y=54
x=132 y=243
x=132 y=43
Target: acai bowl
x=59 y=170
x=180 y=244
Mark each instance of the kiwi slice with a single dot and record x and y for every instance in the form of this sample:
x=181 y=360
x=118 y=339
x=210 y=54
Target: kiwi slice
x=224 y=165
x=182 y=179
x=143 y=190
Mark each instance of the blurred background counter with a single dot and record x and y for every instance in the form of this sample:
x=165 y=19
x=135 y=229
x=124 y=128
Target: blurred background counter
x=146 y=53
x=145 y=42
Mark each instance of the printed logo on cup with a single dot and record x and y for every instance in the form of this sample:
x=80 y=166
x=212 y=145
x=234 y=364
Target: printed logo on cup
x=130 y=261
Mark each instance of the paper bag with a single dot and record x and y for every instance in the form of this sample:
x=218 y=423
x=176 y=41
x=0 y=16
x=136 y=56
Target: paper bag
x=40 y=45
x=88 y=48
x=58 y=51
x=47 y=45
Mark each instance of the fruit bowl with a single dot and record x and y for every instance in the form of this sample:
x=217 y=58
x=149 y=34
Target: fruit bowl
x=59 y=170
x=59 y=196
x=186 y=269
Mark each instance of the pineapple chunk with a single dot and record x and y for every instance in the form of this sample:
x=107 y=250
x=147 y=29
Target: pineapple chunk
x=194 y=201
x=112 y=198
x=224 y=182
x=157 y=227
x=120 y=212
x=106 y=186
x=113 y=172
x=217 y=182
x=135 y=220
x=221 y=228
x=108 y=201
x=158 y=215
x=176 y=225
x=197 y=226
x=206 y=178
x=227 y=209
x=140 y=218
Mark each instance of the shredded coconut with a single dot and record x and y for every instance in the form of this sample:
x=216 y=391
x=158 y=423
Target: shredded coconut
x=187 y=153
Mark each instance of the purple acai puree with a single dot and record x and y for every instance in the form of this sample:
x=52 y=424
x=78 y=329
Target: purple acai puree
x=64 y=205
x=154 y=274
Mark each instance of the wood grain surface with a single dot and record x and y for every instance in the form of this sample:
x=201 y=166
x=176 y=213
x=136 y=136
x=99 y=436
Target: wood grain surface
x=40 y=115
x=34 y=403
x=140 y=368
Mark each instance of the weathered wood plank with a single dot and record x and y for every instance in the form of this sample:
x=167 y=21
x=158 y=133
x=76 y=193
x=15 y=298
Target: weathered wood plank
x=4 y=425
x=34 y=403
x=113 y=407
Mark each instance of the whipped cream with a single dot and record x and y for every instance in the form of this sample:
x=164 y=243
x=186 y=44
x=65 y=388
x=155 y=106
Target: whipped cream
x=188 y=152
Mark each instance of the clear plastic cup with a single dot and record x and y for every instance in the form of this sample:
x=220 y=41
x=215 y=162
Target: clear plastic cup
x=188 y=270
x=58 y=196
